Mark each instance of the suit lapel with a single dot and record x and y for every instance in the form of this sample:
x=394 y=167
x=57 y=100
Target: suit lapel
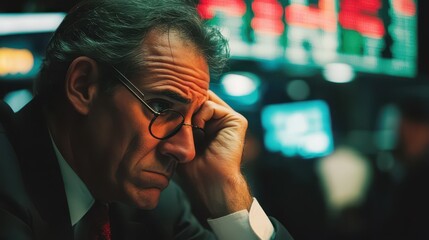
x=41 y=170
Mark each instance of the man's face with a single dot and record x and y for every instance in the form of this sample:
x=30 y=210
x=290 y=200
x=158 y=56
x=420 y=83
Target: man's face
x=127 y=163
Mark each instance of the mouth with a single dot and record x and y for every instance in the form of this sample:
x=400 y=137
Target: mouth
x=152 y=179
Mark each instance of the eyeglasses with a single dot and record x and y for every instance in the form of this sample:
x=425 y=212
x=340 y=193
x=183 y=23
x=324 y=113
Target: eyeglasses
x=165 y=123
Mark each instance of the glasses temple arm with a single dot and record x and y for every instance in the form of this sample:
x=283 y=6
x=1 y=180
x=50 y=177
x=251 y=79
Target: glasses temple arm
x=137 y=93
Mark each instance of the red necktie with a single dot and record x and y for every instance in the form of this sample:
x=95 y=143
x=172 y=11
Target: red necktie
x=98 y=217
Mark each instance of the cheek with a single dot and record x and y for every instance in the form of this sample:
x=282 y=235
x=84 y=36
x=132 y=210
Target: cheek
x=115 y=129
x=123 y=124
x=124 y=145
x=138 y=156
x=110 y=133
x=128 y=177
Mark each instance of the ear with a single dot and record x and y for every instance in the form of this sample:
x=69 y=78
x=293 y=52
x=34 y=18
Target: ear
x=81 y=83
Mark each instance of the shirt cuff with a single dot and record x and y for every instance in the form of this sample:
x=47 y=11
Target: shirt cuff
x=253 y=224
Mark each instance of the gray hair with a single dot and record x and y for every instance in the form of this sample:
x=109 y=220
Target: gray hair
x=112 y=31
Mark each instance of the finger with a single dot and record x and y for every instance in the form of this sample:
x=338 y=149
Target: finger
x=208 y=111
x=215 y=98
x=218 y=116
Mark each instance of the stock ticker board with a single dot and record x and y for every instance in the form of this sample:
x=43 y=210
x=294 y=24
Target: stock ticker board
x=372 y=36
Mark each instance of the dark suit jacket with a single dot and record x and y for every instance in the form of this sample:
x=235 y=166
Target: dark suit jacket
x=33 y=203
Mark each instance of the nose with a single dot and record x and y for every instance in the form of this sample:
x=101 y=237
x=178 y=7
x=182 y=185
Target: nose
x=181 y=145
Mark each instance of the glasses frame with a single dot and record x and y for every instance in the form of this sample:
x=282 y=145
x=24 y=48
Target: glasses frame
x=140 y=96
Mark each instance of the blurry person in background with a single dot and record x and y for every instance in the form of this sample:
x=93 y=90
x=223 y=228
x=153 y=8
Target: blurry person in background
x=409 y=208
x=412 y=148
x=122 y=100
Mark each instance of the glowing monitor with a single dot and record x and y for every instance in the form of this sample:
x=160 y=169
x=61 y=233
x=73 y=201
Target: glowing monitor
x=373 y=36
x=300 y=129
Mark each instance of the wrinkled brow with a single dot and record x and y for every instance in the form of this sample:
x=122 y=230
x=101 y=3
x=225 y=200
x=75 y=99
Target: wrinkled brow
x=176 y=96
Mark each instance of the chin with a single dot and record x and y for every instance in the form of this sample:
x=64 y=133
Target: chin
x=145 y=198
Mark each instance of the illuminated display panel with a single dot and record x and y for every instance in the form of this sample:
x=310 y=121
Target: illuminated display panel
x=21 y=55
x=300 y=129
x=23 y=40
x=373 y=36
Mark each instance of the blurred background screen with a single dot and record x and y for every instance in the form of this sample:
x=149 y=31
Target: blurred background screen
x=369 y=35
x=298 y=129
x=23 y=40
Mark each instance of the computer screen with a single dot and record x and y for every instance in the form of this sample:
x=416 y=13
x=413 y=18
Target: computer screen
x=372 y=36
x=298 y=129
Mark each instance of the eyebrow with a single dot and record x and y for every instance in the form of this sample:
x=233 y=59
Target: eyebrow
x=176 y=96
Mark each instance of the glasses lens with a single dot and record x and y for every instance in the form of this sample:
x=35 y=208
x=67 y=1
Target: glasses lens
x=166 y=124
x=169 y=122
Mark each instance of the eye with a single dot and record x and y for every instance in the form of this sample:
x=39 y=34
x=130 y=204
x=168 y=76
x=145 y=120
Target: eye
x=159 y=105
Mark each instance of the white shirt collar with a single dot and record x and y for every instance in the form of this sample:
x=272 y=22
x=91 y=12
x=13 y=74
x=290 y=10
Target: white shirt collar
x=79 y=198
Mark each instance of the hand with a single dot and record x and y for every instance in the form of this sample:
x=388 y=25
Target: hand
x=215 y=173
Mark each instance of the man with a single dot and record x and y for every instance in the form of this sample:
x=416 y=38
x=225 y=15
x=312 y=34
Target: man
x=122 y=100
x=408 y=208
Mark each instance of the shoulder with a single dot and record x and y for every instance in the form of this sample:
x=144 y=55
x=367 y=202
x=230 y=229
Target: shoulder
x=13 y=197
x=6 y=117
x=8 y=162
